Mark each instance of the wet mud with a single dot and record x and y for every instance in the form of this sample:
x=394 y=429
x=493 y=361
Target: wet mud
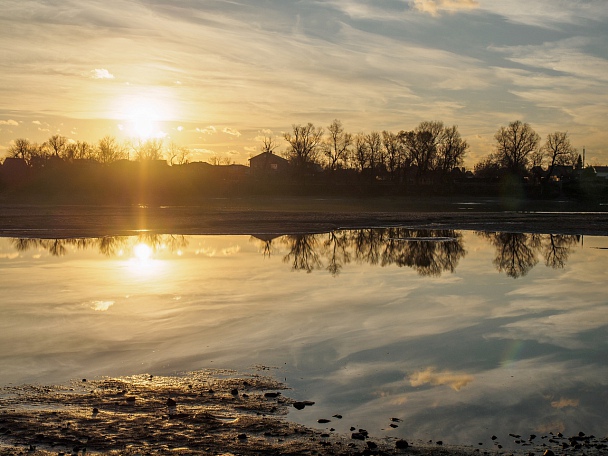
x=205 y=412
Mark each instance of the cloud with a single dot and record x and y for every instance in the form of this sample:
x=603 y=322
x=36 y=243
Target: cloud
x=36 y=122
x=101 y=306
x=207 y=130
x=563 y=403
x=231 y=131
x=14 y=123
x=101 y=73
x=435 y=7
x=454 y=380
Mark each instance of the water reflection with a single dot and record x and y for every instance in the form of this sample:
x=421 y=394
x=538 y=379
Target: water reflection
x=369 y=324
x=428 y=252
x=517 y=253
x=110 y=246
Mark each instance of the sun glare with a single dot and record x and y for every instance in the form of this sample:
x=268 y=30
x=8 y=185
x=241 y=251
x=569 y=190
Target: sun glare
x=142 y=252
x=142 y=115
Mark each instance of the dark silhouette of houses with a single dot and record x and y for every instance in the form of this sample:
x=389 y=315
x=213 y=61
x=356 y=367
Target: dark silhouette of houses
x=268 y=163
x=601 y=172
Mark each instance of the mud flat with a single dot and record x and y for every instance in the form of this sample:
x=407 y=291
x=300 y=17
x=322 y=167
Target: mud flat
x=204 y=412
x=288 y=216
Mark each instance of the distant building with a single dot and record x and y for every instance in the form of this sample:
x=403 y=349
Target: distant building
x=601 y=172
x=268 y=163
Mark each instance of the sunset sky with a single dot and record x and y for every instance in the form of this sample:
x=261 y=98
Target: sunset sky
x=217 y=75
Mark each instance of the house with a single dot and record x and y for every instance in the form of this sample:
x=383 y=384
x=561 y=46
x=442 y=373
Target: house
x=601 y=172
x=268 y=163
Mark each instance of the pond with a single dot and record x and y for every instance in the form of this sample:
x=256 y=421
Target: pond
x=450 y=335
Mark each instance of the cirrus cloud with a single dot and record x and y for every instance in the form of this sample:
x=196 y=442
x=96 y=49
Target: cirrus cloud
x=435 y=7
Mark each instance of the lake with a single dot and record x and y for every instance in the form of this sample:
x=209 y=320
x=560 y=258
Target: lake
x=457 y=335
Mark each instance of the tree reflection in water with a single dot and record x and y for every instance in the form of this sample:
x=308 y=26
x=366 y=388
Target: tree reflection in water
x=109 y=246
x=429 y=252
x=517 y=253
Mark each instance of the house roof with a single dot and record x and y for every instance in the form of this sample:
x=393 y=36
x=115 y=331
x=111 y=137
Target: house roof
x=269 y=156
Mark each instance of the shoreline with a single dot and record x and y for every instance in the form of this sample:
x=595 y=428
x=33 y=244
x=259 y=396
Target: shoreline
x=208 y=412
x=289 y=216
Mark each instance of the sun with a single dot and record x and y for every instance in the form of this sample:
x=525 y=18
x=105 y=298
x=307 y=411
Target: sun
x=142 y=252
x=143 y=114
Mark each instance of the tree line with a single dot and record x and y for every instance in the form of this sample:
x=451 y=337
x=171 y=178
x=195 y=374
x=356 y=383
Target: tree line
x=430 y=148
x=425 y=160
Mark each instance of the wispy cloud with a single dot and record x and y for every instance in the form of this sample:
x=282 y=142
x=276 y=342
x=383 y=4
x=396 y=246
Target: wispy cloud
x=454 y=380
x=436 y=7
x=231 y=131
x=207 y=130
x=101 y=73
x=11 y=122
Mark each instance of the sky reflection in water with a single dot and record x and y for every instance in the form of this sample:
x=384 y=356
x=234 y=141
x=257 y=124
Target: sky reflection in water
x=461 y=335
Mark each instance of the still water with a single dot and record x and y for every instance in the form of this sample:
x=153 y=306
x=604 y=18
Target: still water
x=460 y=335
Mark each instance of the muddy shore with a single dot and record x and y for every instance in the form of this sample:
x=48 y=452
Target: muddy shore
x=207 y=412
x=288 y=216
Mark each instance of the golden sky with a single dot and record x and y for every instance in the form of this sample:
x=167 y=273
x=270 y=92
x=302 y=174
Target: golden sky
x=217 y=75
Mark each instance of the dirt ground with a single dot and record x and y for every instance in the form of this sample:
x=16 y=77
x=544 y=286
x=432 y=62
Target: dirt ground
x=204 y=412
x=288 y=216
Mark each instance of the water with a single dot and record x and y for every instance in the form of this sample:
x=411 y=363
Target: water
x=459 y=335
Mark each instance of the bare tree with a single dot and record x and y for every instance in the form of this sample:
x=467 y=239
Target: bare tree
x=515 y=143
x=56 y=145
x=394 y=152
x=304 y=144
x=421 y=145
x=108 y=150
x=268 y=145
x=338 y=144
x=450 y=151
x=148 y=150
x=360 y=152
x=24 y=149
x=559 y=151
x=177 y=155
x=375 y=152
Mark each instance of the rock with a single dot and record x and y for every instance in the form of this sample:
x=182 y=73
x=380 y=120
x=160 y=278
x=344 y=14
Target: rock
x=396 y=420
x=272 y=394
x=241 y=436
x=357 y=436
x=439 y=442
x=95 y=411
x=494 y=437
x=338 y=416
x=130 y=399
x=308 y=403
x=171 y=402
x=234 y=392
x=532 y=436
x=371 y=445
x=393 y=425
x=323 y=420
x=548 y=453
x=299 y=405
x=401 y=444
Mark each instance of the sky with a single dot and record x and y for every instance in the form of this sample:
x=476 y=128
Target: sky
x=219 y=75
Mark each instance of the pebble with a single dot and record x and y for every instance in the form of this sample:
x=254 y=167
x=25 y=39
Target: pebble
x=401 y=444
x=323 y=420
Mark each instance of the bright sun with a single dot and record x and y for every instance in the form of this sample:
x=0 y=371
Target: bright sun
x=142 y=252
x=143 y=114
